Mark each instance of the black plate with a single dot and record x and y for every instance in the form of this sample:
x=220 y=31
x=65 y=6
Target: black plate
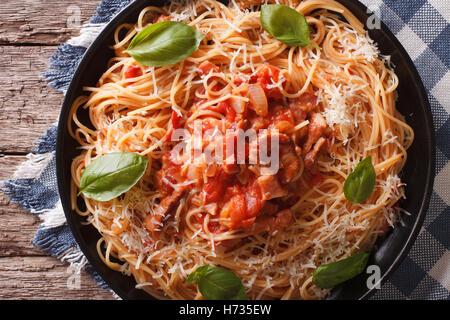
x=418 y=172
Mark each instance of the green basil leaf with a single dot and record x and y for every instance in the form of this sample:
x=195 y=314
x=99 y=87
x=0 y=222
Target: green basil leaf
x=285 y=24
x=108 y=176
x=242 y=295
x=164 y=43
x=360 y=183
x=329 y=275
x=197 y=274
x=216 y=283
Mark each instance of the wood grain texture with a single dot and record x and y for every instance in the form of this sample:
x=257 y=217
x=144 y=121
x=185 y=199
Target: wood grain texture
x=17 y=226
x=30 y=31
x=42 y=21
x=45 y=278
x=28 y=106
x=27 y=273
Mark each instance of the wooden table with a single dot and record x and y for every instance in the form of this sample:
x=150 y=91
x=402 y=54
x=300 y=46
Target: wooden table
x=29 y=32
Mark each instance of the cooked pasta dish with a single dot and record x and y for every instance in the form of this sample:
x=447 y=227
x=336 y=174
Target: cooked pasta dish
x=326 y=104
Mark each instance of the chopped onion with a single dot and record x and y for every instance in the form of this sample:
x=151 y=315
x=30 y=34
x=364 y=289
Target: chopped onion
x=238 y=104
x=258 y=100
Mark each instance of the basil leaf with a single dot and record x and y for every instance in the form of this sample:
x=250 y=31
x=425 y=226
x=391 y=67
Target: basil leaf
x=197 y=274
x=108 y=176
x=360 y=183
x=285 y=24
x=216 y=283
x=329 y=275
x=164 y=43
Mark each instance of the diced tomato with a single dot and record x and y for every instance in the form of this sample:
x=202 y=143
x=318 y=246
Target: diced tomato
x=234 y=214
x=200 y=217
x=132 y=72
x=253 y=199
x=206 y=67
x=166 y=181
x=221 y=107
x=214 y=227
x=231 y=114
x=267 y=75
x=240 y=79
x=213 y=189
x=226 y=109
x=169 y=175
x=177 y=122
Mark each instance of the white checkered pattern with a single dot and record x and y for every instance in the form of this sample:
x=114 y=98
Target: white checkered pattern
x=422 y=26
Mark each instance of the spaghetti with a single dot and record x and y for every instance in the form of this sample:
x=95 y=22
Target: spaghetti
x=332 y=105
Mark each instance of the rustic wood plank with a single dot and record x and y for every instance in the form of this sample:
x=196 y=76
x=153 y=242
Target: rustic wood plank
x=17 y=226
x=29 y=33
x=8 y=165
x=28 y=106
x=42 y=22
x=45 y=278
x=27 y=273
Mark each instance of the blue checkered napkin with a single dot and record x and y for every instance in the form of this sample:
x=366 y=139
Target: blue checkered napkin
x=34 y=183
x=422 y=26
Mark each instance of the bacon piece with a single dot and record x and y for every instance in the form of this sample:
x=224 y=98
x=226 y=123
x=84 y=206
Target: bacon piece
x=169 y=174
x=254 y=198
x=270 y=187
x=316 y=129
x=302 y=105
x=153 y=221
x=234 y=214
x=230 y=243
x=310 y=157
x=213 y=189
x=230 y=165
x=281 y=220
x=279 y=118
x=289 y=163
x=270 y=208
